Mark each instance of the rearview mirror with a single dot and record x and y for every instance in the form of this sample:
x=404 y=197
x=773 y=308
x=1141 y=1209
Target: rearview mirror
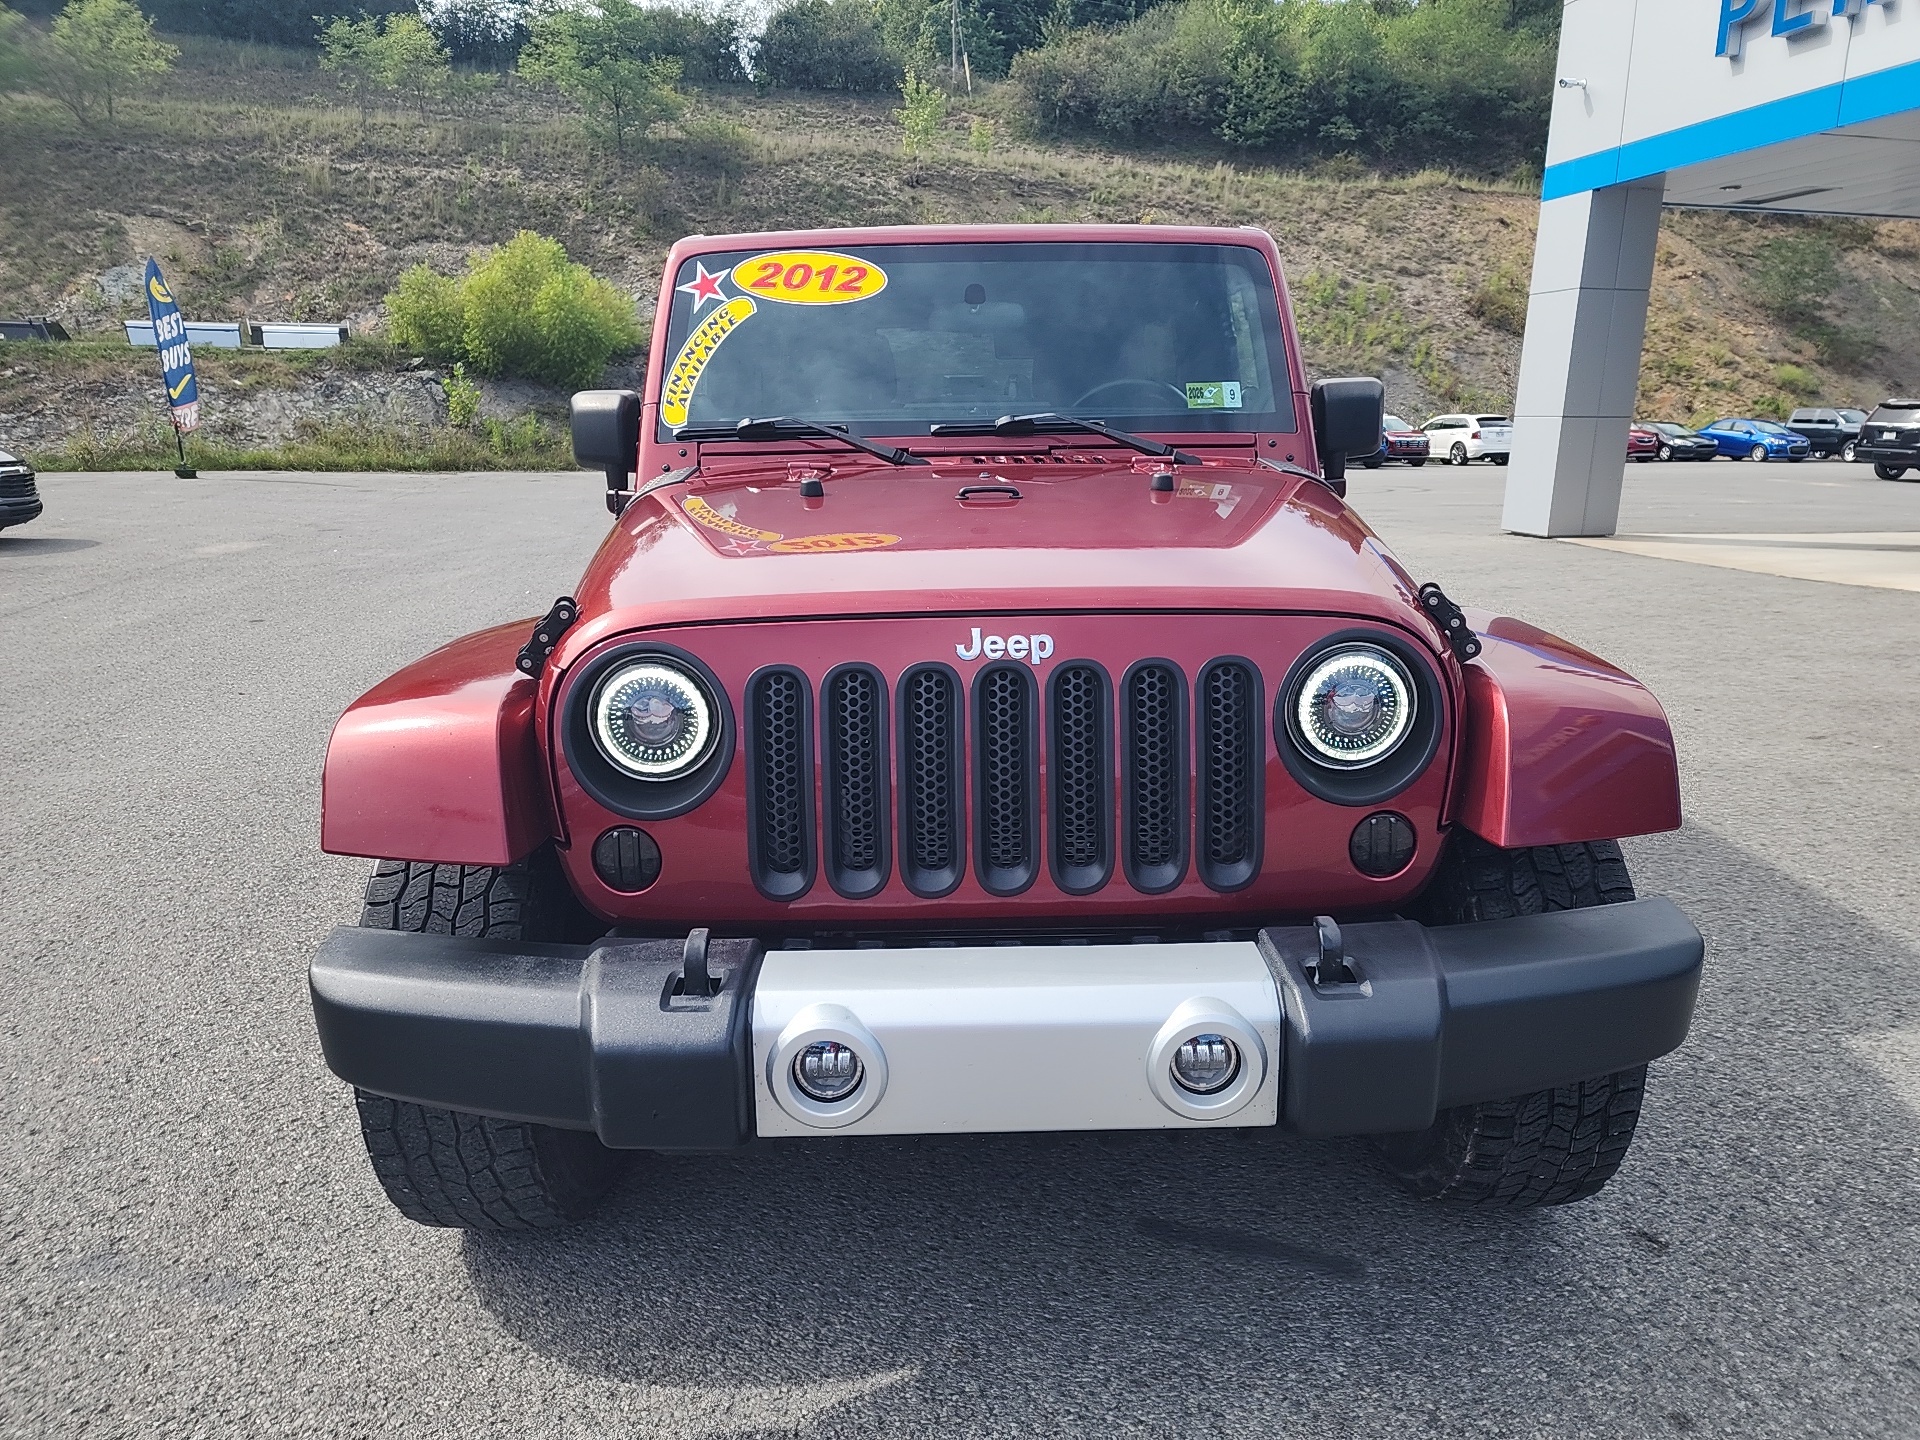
x=606 y=437
x=1347 y=419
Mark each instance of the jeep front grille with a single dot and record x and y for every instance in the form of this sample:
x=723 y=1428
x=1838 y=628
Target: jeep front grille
x=1124 y=786
x=1230 y=800
x=853 y=715
x=1006 y=767
x=933 y=843
x=780 y=782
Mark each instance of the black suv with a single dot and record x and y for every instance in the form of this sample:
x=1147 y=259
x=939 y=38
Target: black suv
x=1891 y=439
x=19 y=499
x=1828 y=432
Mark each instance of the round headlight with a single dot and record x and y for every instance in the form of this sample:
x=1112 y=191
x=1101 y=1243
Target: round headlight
x=653 y=720
x=1354 y=707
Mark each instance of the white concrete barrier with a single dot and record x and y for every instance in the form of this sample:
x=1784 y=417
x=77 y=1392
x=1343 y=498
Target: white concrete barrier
x=208 y=335
x=299 y=337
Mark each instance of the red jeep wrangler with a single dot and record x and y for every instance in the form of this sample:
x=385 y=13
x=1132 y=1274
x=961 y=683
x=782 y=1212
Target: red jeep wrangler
x=986 y=715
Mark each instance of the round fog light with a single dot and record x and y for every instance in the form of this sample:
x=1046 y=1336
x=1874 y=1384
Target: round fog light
x=1206 y=1064
x=828 y=1071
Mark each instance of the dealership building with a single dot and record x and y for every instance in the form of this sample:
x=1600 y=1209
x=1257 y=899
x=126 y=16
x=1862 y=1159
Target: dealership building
x=1808 y=107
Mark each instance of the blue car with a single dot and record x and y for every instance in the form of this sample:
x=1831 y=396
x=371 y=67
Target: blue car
x=1756 y=440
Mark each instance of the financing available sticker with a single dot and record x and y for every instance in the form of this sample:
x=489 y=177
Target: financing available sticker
x=684 y=374
x=703 y=514
x=1213 y=395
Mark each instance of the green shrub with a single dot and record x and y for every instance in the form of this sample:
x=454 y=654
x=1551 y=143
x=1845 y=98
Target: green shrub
x=1797 y=381
x=714 y=147
x=463 y=399
x=827 y=45
x=1502 y=302
x=523 y=309
x=1794 y=275
x=1465 y=82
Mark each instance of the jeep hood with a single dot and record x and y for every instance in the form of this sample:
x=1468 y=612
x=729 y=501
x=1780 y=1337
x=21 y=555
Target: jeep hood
x=971 y=538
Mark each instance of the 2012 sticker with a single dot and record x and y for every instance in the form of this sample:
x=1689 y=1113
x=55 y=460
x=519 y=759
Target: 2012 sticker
x=684 y=374
x=1213 y=395
x=810 y=277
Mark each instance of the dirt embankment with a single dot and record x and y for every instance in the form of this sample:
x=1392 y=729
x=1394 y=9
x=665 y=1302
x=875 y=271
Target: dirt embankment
x=277 y=202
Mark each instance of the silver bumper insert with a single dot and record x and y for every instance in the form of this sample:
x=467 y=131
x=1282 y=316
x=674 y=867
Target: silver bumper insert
x=983 y=1039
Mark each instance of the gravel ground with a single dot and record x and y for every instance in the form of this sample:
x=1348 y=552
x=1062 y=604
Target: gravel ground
x=191 y=1244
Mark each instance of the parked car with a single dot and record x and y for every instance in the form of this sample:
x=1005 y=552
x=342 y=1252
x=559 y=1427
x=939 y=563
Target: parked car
x=1462 y=439
x=1828 y=432
x=1757 y=440
x=1857 y=419
x=19 y=494
x=1643 y=444
x=1677 y=442
x=1891 y=439
x=1399 y=441
x=756 y=837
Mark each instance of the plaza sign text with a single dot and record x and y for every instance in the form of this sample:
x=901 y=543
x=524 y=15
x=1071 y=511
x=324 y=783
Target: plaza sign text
x=1791 y=18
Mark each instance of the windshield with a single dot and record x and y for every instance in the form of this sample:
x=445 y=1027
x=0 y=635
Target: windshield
x=1853 y=417
x=1768 y=427
x=1672 y=431
x=893 y=339
x=1394 y=422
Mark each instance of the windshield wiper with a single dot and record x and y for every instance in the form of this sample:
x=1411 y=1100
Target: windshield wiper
x=1013 y=426
x=778 y=426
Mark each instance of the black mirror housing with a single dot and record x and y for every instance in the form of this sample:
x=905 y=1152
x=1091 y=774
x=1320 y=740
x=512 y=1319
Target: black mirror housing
x=606 y=430
x=1347 y=419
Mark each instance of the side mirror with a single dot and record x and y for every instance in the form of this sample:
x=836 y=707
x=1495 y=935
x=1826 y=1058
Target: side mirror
x=1347 y=420
x=606 y=437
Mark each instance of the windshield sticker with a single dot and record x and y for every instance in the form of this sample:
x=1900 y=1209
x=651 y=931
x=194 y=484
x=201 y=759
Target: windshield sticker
x=810 y=277
x=703 y=287
x=826 y=544
x=1225 y=498
x=1213 y=395
x=703 y=514
x=685 y=373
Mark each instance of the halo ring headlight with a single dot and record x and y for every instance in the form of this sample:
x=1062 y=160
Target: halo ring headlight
x=1354 y=707
x=652 y=719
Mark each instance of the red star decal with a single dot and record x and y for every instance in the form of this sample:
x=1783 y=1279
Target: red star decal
x=742 y=547
x=703 y=287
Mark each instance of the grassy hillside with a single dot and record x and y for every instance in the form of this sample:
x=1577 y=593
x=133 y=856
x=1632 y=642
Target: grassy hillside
x=265 y=197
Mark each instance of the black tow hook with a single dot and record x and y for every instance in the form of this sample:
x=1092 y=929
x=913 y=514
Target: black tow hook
x=1335 y=966
x=696 y=980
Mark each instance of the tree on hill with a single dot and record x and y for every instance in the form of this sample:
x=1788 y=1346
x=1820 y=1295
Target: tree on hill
x=16 y=56
x=100 y=50
x=397 y=56
x=598 y=58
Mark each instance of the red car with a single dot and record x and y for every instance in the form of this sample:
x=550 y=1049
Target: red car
x=1399 y=441
x=1642 y=444
x=984 y=714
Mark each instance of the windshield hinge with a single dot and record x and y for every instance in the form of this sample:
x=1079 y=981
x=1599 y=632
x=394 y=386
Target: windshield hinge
x=546 y=635
x=1452 y=622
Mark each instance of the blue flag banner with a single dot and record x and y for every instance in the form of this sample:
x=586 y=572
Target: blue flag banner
x=176 y=356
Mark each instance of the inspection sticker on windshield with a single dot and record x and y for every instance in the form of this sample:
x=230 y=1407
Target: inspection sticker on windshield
x=810 y=277
x=685 y=372
x=1213 y=395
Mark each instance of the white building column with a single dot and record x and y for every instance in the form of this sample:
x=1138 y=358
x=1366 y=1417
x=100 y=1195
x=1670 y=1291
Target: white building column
x=1580 y=366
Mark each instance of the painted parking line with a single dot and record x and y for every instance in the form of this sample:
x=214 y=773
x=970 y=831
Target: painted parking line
x=1881 y=560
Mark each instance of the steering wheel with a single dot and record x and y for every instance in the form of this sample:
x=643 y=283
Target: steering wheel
x=1179 y=395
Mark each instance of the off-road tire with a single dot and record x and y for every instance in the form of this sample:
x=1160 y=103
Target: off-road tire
x=473 y=1172
x=1554 y=1146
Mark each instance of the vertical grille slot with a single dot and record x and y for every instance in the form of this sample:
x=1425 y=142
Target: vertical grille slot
x=932 y=804
x=1006 y=767
x=853 y=719
x=1153 y=717
x=779 y=752
x=1232 y=762
x=1080 y=775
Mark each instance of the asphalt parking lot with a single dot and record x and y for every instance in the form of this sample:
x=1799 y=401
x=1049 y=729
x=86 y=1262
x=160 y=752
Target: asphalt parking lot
x=191 y=1243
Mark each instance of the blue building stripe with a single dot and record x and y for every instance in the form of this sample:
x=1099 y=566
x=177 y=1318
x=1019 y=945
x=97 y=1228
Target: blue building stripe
x=1852 y=102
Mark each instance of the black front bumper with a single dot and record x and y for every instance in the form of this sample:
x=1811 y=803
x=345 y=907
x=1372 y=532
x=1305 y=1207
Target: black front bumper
x=19 y=498
x=604 y=1038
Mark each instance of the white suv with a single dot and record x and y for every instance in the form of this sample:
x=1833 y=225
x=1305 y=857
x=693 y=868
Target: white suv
x=1458 y=439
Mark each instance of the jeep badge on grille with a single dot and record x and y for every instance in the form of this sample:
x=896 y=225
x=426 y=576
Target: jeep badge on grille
x=1031 y=648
